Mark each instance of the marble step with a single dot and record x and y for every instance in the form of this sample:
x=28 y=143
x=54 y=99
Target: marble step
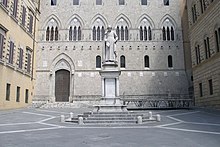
x=116 y=115
x=110 y=113
x=111 y=118
x=110 y=121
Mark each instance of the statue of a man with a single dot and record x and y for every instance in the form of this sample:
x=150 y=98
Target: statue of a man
x=110 y=45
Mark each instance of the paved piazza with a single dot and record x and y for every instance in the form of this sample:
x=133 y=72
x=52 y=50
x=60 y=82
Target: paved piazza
x=42 y=128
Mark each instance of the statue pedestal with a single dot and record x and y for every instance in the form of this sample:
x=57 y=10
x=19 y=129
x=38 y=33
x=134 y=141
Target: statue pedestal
x=110 y=101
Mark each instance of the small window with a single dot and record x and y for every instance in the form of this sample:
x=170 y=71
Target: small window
x=170 y=61
x=98 y=62
x=4 y=2
x=172 y=34
x=98 y=2
x=94 y=33
x=48 y=34
x=26 y=95
x=20 y=58
x=18 y=94
x=56 y=34
x=121 y=2
x=11 y=52
x=74 y=33
x=166 y=2
x=29 y=60
x=23 y=16
x=126 y=33
x=15 y=8
x=210 y=87
x=70 y=34
x=200 y=90
x=164 y=33
x=217 y=40
x=118 y=32
x=207 y=48
x=122 y=61
x=141 y=34
x=149 y=33
x=52 y=34
x=30 y=24
x=8 y=86
x=79 y=33
x=168 y=33
x=75 y=2
x=1 y=45
x=122 y=33
x=146 y=61
x=143 y=2
x=98 y=33
x=103 y=33
x=198 y=58
x=53 y=2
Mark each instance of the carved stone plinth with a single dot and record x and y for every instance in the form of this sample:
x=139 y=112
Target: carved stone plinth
x=110 y=101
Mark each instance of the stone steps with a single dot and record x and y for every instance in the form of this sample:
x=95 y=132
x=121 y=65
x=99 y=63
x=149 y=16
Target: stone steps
x=110 y=118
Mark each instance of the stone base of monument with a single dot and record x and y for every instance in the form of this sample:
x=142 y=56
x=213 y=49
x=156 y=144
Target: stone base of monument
x=110 y=101
x=110 y=105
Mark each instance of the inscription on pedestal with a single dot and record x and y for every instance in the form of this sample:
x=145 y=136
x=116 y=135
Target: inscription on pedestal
x=110 y=88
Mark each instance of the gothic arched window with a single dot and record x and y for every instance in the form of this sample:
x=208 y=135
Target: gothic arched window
x=56 y=34
x=79 y=33
x=164 y=33
x=74 y=33
x=70 y=33
x=98 y=33
x=98 y=61
x=94 y=33
x=48 y=34
x=122 y=61
x=118 y=33
x=103 y=32
x=168 y=33
x=170 y=61
x=122 y=33
x=150 y=33
x=126 y=33
x=172 y=34
x=52 y=34
x=145 y=33
x=141 y=33
x=146 y=61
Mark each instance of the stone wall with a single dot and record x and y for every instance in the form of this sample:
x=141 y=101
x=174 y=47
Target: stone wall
x=80 y=56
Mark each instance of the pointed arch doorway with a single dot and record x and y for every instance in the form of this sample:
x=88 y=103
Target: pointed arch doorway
x=62 y=85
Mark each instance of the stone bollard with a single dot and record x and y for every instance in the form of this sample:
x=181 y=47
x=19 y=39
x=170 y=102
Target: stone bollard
x=158 y=118
x=150 y=115
x=139 y=120
x=62 y=118
x=71 y=115
x=80 y=121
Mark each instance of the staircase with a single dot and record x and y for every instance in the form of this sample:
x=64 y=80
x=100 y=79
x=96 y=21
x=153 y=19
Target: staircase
x=110 y=118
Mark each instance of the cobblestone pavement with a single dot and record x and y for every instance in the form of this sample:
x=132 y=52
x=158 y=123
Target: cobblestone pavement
x=42 y=128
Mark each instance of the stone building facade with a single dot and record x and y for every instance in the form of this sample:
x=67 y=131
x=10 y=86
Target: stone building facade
x=204 y=28
x=150 y=49
x=18 y=23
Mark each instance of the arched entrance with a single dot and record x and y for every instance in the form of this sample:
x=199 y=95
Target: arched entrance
x=62 y=85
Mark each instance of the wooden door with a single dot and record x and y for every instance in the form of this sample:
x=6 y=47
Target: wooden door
x=62 y=85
